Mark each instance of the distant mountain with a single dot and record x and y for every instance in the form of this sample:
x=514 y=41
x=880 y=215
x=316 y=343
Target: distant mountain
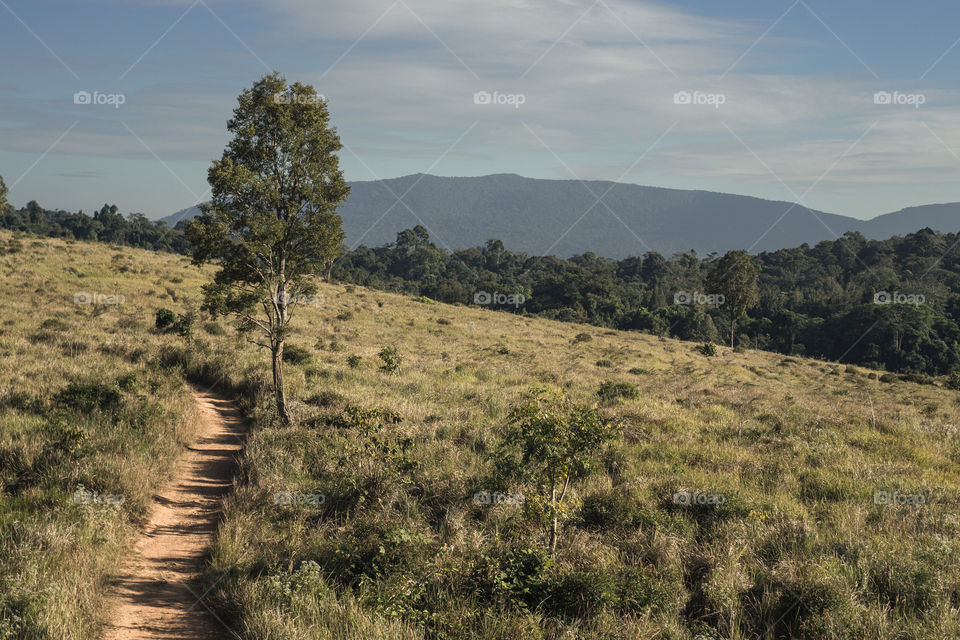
x=565 y=217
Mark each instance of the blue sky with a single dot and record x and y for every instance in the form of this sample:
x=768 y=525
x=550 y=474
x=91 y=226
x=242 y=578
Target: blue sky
x=768 y=98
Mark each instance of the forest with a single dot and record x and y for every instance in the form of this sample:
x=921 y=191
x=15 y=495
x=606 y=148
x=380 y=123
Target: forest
x=890 y=304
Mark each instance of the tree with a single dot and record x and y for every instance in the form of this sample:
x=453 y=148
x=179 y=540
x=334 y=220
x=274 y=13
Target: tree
x=271 y=224
x=550 y=441
x=735 y=278
x=3 y=196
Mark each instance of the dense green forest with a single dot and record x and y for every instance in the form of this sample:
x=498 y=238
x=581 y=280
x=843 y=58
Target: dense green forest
x=891 y=304
x=106 y=225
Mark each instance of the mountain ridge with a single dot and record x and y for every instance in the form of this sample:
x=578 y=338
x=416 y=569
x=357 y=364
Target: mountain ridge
x=542 y=216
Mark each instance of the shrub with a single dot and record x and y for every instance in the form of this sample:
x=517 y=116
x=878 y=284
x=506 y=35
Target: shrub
x=354 y=361
x=214 y=329
x=88 y=396
x=325 y=398
x=708 y=349
x=392 y=361
x=888 y=378
x=917 y=378
x=953 y=381
x=611 y=391
x=604 y=364
x=550 y=441
x=345 y=315
x=294 y=354
x=165 y=319
x=582 y=337
x=54 y=324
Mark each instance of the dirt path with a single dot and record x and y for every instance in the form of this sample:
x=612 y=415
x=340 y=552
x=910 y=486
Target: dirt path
x=158 y=594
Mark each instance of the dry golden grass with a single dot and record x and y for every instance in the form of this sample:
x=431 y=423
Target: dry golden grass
x=797 y=447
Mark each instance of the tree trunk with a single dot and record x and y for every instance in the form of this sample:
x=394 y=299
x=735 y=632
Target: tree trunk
x=553 y=525
x=278 y=388
x=733 y=324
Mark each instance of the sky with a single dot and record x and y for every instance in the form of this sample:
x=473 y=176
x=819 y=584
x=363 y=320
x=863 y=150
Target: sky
x=847 y=107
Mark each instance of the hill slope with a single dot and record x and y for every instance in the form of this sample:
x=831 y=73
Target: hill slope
x=564 y=217
x=747 y=494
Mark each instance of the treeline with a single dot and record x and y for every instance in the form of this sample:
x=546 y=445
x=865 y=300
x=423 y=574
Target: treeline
x=106 y=225
x=890 y=304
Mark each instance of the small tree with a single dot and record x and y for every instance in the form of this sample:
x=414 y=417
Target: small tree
x=735 y=278
x=3 y=196
x=550 y=441
x=271 y=224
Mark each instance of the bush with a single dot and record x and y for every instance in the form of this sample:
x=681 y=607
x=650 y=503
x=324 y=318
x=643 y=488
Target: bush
x=917 y=378
x=88 y=396
x=294 y=354
x=604 y=364
x=889 y=378
x=165 y=319
x=392 y=361
x=354 y=361
x=708 y=349
x=611 y=391
x=582 y=337
x=953 y=381
x=325 y=399
x=214 y=329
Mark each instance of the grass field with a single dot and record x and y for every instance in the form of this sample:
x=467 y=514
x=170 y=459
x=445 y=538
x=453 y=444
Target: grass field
x=748 y=495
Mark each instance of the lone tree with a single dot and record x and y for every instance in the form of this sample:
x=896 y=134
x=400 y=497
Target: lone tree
x=549 y=442
x=735 y=278
x=271 y=224
x=3 y=196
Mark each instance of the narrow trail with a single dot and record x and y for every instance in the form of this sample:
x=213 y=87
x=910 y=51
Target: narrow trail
x=158 y=594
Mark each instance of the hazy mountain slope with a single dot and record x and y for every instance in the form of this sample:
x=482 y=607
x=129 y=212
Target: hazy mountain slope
x=565 y=217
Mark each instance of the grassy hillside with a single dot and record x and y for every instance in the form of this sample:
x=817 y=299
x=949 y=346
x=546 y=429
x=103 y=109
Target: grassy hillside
x=359 y=527
x=90 y=425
